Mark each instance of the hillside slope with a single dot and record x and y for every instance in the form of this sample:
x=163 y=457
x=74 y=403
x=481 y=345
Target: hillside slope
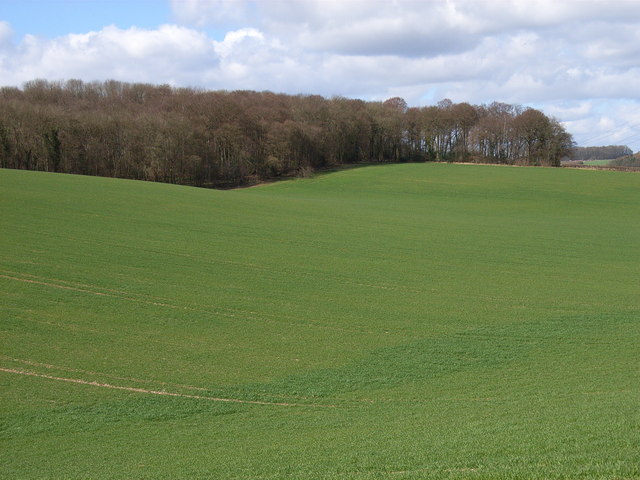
x=420 y=320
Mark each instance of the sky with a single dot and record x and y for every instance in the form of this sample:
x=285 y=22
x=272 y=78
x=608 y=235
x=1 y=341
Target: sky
x=576 y=60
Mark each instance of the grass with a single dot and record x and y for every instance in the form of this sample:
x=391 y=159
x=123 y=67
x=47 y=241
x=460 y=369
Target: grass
x=424 y=321
x=597 y=163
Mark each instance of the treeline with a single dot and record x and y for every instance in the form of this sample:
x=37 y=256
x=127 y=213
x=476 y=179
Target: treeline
x=220 y=138
x=630 y=161
x=600 y=153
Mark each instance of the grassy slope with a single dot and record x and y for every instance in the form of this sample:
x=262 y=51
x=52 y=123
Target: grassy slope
x=465 y=322
x=597 y=163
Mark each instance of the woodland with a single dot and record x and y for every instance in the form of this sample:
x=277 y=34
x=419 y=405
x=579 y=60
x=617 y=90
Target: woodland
x=230 y=138
x=600 y=153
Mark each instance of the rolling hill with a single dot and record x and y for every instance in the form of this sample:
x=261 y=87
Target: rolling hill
x=397 y=321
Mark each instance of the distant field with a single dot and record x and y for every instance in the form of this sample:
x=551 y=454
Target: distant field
x=400 y=321
x=598 y=163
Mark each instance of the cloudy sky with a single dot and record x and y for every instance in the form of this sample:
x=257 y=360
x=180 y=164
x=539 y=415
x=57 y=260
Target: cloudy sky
x=577 y=60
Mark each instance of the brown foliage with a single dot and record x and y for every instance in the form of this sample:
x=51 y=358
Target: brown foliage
x=220 y=138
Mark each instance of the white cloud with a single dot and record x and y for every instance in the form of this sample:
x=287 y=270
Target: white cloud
x=379 y=26
x=200 y=13
x=542 y=52
x=169 y=53
x=6 y=45
x=234 y=42
x=6 y=33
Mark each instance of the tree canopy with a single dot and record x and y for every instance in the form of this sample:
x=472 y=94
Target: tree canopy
x=600 y=153
x=221 y=138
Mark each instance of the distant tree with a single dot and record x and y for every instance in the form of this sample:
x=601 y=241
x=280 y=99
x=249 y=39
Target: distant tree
x=600 y=153
x=631 y=161
x=393 y=128
x=53 y=146
x=464 y=117
x=534 y=129
x=560 y=144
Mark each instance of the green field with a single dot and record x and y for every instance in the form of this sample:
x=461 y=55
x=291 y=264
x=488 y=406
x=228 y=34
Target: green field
x=399 y=321
x=596 y=163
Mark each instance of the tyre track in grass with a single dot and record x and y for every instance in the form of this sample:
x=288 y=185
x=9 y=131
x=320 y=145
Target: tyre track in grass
x=298 y=272
x=90 y=372
x=162 y=301
x=50 y=366
x=133 y=337
x=160 y=392
x=129 y=379
x=339 y=279
x=148 y=300
x=325 y=276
